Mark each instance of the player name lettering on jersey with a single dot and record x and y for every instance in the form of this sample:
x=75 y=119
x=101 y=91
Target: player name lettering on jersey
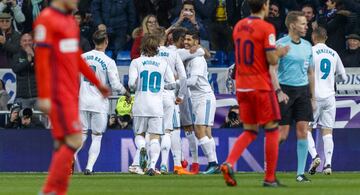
x=150 y=62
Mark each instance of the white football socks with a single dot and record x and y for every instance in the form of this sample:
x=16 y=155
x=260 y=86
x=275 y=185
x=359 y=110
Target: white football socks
x=328 y=148
x=84 y=137
x=193 y=146
x=207 y=148
x=94 y=151
x=154 y=152
x=213 y=143
x=176 y=146
x=311 y=145
x=165 y=148
x=136 y=160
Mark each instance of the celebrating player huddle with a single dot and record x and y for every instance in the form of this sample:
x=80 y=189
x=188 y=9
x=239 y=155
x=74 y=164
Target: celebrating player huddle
x=277 y=82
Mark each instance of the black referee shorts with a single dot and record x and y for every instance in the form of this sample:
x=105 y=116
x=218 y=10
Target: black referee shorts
x=299 y=106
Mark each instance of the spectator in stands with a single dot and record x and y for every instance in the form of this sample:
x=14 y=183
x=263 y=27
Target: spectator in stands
x=232 y=119
x=9 y=40
x=351 y=57
x=159 y=8
x=148 y=25
x=189 y=20
x=4 y=96
x=309 y=12
x=275 y=19
x=14 y=119
x=125 y=121
x=31 y=10
x=27 y=121
x=84 y=41
x=24 y=68
x=113 y=123
x=11 y=7
x=220 y=27
x=335 y=20
x=118 y=18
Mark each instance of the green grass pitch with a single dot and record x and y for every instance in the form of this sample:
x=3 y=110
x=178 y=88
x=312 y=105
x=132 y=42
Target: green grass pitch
x=248 y=183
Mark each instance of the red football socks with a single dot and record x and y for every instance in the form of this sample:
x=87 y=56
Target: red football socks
x=242 y=142
x=59 y=171
x=271 y=154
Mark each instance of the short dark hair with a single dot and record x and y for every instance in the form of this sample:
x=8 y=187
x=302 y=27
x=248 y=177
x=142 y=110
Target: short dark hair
x=320 y=33
x=99 y=37
x=292 y=17
x=256 y=5
x=149 y=45
x=178 y=33
x=194 y=34
x=187 y=2
x=79 y=13
x=309 y=5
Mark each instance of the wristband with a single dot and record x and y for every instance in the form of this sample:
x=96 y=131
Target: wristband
x=278 y=91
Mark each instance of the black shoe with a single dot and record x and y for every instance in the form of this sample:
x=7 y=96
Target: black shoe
x=302 y=179
x=273 y=184
x=151 y=172
x=314 y=165
x=143 y=158
x=88 y=172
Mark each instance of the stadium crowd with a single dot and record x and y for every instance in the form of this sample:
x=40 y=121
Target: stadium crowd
x=127 y=21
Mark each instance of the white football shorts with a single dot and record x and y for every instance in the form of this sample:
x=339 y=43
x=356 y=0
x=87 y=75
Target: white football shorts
x=151 y=125
x=325 y=112
x=94 y=121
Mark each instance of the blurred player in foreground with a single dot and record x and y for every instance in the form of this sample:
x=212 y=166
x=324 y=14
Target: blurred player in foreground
x=295 y=87
x=58 y=64
x=147 y=77
x=255 y=50
x=93 y=107
x=327 y=65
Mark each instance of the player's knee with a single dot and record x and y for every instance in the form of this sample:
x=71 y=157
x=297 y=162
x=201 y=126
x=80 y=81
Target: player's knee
x=326 y=131
x=154 y=136
x=271 y=126
x=167 y=131
x=74 y=141
x=97 y=133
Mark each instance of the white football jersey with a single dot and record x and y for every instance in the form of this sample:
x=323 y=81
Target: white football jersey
x=147 y=76
x=106 y=71
x=327 y=64
x=198 y=67
x=177 y=67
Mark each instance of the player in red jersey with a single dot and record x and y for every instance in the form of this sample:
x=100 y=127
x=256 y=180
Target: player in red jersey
x=255 y=50
x=58 y=64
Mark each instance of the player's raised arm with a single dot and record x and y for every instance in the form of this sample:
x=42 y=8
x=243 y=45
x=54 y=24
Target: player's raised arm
x=89 y=74
x=187 y=55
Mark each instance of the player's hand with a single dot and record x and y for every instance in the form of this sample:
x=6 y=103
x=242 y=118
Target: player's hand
x=282 y=97
x=2 y=39
x=128 y=97
x=193 y=49
x=102 y=27
x=104 y=90
x=44 y=105
x=282 y=51
x=178 y=101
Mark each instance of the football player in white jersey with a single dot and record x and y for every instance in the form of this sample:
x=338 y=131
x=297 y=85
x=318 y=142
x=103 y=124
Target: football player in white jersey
x=203 y=102
x=93 y=107
x=328 y=66
x=182 y=111
x=170 y=120
x=147 y=77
